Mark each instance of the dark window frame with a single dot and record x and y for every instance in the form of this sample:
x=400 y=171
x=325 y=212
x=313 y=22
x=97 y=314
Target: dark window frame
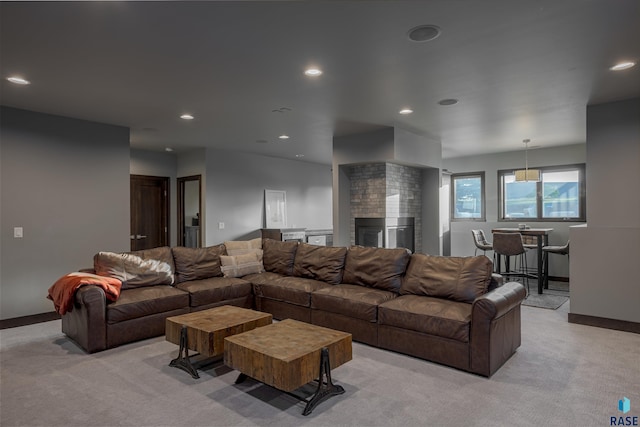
x=452 y=207
x=582 y=190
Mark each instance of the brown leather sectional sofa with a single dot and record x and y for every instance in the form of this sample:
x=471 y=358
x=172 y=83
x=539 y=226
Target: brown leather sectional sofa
x=450 y=310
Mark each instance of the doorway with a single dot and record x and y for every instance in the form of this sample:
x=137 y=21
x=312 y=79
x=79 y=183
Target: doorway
x=190 y=211
x=149 y=211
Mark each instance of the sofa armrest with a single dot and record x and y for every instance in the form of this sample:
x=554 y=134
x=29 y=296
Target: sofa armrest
x=86 y=324
x=496 y=303
x=495 y=328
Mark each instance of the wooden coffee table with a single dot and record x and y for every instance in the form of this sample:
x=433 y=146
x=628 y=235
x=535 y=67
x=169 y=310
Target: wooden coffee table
x=289 y=354
x=204 y=331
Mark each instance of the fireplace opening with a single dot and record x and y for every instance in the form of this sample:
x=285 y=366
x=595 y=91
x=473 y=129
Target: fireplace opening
x=385 y=232
x=370 y=232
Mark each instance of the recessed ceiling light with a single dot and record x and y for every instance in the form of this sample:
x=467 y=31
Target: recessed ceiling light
x=186 y=117
x=313 y=72
x=406 y=111
x=281 y=110
x=18 y=80
x=622 y=66
x=283 y=136
x=449 y=101
x=168 y=149
x=423 y=33
x=299 y=156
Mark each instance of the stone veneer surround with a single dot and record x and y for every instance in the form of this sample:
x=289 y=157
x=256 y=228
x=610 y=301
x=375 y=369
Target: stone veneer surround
x=386 y=190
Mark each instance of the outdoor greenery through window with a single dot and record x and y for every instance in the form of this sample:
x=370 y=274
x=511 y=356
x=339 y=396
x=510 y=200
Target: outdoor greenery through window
x=559 y=196
x=468 y=197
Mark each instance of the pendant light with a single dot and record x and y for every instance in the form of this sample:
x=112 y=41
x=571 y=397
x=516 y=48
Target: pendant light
x=527 y=174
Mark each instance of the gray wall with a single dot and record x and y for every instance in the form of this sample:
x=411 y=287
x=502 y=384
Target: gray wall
x=605 y=253
x=460 y=231
x=66 y=182
x=235 y=185
x=431 y=230
x=162 y=164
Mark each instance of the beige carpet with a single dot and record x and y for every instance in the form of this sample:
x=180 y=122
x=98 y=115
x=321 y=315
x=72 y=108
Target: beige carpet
x=562 y=375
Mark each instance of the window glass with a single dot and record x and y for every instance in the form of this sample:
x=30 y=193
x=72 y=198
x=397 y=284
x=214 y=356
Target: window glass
x=561 y=194
x=468 y=196
x=558 y=196
x=520 y=198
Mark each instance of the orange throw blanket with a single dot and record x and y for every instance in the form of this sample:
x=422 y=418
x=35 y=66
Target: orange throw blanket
x=63 y=291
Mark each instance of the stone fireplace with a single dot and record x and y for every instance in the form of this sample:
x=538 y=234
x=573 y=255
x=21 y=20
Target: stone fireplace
x=386 y=205
x=385 y=232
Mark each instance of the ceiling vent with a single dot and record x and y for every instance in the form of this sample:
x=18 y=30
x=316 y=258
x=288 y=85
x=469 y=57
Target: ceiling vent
x=424 y=33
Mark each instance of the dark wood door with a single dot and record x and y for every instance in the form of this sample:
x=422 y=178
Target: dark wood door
x=149 y=212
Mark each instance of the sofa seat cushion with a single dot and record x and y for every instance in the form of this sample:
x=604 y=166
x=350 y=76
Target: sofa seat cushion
x=264 y=277
x=433 y=316
x=215 y=289
x=145 y=301
x=294 y=290
x=355 y=301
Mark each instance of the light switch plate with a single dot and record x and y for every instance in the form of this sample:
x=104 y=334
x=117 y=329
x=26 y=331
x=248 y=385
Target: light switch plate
x=221 y=226
x=18 y=232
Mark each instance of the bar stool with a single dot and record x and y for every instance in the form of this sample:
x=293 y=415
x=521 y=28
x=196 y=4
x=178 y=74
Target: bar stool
x=546 y=250
x=481 y=242
x=508 y=245
x=530 y=243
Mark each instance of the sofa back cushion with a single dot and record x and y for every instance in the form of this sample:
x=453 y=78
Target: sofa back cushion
x=376 y=267
x=197 y=263
x=136 y=269
x=323 y=263
x=278 y=257
x=460 y=279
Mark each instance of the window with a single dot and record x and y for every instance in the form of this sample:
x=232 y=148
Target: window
x=467 y=198
x=559 y=196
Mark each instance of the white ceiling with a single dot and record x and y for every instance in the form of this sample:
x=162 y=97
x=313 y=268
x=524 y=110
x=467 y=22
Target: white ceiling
x=520 y=69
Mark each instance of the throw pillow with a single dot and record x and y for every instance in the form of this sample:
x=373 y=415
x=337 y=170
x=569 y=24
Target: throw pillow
x=132 y=270
x=240 y=265
x=197 y=263
x=460 y=279
x=241 y=247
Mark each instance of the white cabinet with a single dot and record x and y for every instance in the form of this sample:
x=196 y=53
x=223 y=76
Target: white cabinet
x=317 y=240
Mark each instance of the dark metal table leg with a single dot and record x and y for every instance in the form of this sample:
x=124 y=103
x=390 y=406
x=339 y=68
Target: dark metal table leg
x=183 y=362
x=539 y=275
x=241 y=378
x=325 y=389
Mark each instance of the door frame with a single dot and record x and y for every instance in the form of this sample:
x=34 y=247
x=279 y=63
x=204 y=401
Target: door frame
x=181 y=220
